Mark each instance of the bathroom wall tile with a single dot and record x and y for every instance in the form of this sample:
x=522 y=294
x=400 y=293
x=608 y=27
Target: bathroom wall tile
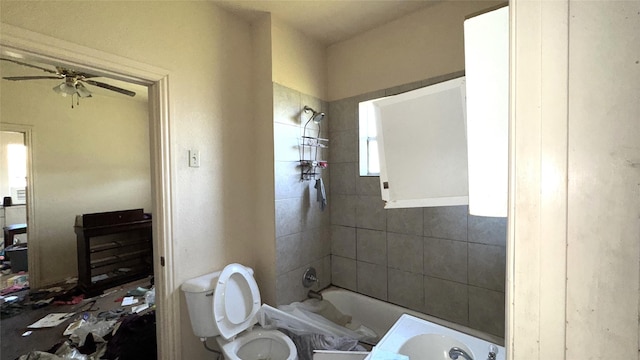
x=343 y=210
x=344 y=146
x=486 y=310
x=312 y=214
x=403 y=88
x=343 y=178
x=288 y=220
x=343 y=241
x=445 y=259
x=376 y=94
x=372 y=280
x=487 y=264
x=324 y=277
x=287 y=180
x=368 y=185
x=343 y=114
x=289 y=287
x=406 y=289
x=286 y=105
x=405 y=221
x=371 y=246
x=405 y=252
x=343 y=272
x=446 y=222
x=488 y=230
x=442 y=78
x=289 y=249
x=316 y=244
x=370 y=213
x=447 y=300
x=286 y=142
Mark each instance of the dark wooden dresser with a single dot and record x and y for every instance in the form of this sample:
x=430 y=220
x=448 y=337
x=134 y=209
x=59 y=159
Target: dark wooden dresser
x=113 y=248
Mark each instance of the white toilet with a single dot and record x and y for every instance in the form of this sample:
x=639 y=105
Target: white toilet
x=225 y=303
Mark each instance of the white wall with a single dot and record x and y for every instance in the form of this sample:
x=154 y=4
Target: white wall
x=299 y=62
x=208 y=54
x=92 y=158
x=423 y=45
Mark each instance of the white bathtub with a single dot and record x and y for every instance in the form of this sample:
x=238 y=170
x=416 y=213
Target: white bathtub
x=381 y=316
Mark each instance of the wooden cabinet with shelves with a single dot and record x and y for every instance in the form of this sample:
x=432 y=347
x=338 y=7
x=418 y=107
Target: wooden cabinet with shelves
x=113 y=248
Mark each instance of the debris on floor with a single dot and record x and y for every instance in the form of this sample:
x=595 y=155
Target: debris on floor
x=122 y=332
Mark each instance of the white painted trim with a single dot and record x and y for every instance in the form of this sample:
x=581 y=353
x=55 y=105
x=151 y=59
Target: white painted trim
x=538 y=172
x=33 y=255
x=39 y=46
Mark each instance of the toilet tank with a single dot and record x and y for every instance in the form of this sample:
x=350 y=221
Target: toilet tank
x=199 y=295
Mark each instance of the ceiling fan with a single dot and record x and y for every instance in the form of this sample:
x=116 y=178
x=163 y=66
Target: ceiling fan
x=73 y=81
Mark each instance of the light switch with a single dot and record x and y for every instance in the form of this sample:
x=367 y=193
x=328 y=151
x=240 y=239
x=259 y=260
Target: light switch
x=194 y=158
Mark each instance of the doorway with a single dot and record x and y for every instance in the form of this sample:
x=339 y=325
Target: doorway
x=15 y=170
x=16 y=41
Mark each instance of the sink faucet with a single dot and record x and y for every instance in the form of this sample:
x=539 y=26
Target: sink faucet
x=456 y=351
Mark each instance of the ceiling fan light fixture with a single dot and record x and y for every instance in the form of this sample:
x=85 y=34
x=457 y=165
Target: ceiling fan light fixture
x=65 y=89
x=82 y=90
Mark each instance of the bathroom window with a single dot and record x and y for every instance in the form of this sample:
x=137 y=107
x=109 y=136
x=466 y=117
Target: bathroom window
x=369 y=159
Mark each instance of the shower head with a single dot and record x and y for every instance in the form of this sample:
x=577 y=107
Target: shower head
x=316 y=117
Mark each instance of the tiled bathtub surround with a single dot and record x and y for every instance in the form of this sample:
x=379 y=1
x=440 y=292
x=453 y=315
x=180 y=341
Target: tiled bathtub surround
x=440 y=261
x=302 y=229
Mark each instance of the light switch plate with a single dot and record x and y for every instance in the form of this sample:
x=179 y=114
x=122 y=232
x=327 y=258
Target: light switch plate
x=194 y=158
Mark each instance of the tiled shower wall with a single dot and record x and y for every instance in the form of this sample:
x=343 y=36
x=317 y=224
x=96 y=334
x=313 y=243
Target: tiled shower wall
x=302 y=228
x=440 y=261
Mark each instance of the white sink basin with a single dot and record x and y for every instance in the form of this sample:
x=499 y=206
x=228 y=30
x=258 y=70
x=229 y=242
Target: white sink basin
x=431 y=347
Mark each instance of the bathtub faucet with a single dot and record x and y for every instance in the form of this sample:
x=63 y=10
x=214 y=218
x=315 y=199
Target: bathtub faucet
x=456 y=351
x=314 y=295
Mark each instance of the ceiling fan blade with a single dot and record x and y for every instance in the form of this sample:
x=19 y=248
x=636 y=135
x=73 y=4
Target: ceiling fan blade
x=29 y=65
x=17 y=78
x=110 y=87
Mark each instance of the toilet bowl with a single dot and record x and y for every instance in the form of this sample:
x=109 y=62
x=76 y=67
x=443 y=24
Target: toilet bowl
x=258 y=344
x=225 y=305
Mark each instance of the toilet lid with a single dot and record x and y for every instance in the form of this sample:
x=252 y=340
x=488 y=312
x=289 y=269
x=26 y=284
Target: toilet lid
x=236 y=300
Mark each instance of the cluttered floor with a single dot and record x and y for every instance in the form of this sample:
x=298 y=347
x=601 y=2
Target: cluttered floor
x=58 y=322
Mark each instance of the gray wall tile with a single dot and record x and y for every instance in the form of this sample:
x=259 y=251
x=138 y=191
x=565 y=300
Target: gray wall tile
x=289 y=250
x=287 y=180
x=343 y=241
x=286 y=105
x=370 y=213
x=372 y=246
x=447 y=300
x=343 y=178
x=405 y=252
x=343 y=115
x=445 y=259
x=405 y=221
x=288 y=220
x=344 y=146
x=372 y=280
x=446 y=222
x=368 y=185
x=488 y=230
x=487 y=266
x=406 y=289
x=486 y=310
x=343 y=210
x=343 y=272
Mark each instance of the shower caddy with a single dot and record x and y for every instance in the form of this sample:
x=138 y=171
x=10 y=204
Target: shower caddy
x=310 y=144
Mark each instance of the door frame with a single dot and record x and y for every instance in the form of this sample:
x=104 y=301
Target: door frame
x=33 y=45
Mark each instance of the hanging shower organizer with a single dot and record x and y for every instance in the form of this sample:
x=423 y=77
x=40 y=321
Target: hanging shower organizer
x=310 y=145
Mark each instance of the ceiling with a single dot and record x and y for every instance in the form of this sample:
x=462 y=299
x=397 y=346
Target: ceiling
x=327 y=21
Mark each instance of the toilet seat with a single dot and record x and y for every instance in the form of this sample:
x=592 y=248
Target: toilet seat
x=236 y=300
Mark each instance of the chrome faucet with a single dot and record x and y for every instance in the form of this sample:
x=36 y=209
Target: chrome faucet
x=456 y=351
